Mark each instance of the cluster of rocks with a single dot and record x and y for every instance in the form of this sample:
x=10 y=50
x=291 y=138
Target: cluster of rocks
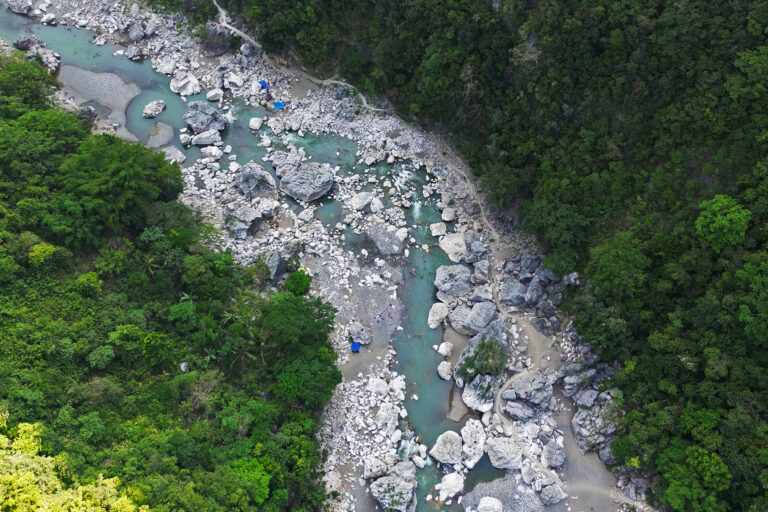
x=520 y=435
x=36 y=49
x=529 y=285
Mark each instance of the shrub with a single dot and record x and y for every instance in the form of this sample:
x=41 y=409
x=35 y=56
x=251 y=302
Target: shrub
x=298 y=283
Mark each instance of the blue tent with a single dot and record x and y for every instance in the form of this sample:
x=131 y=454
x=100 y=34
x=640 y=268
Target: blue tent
x=279 y=105
x=355 y=347
x=263 y=84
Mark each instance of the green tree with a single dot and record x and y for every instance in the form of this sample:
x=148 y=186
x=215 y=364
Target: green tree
x=722 y=222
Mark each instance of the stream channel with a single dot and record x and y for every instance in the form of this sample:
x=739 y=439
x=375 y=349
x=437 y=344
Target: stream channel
x=429 y=413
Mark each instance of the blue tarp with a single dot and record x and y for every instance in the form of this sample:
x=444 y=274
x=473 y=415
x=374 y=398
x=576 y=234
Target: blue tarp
x=279 y=105
x=263 y=84
x=355 y=347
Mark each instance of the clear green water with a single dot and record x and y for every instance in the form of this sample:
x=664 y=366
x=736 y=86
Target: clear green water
x=418 y=361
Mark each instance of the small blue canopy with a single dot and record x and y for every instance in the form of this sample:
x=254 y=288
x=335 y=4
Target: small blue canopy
x=263 y=84
x=355 y=347
x=280 y=105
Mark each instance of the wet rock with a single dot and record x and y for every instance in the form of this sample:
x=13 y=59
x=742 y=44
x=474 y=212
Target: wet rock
x=489 y=504
x=473 y=437
x=384 y=236
x=437 y=313
x=48 y=19
x=504 y=452
x=451 y=485
x=253 y=181
x=276 y=265
x=531 y=386
x=185 y=85
x=445 y=370
x=512 y=292
x=447 y=448
x=361 y=200
x=201 y=117
x=309 y=182
x=216 y=40
x=153 y=109
x=478 y=394
x=553 y=455
x=454 y=246
x=161 y=135
x=394 y=493
x=452 y=281
x=360 y=333
x=174 y=155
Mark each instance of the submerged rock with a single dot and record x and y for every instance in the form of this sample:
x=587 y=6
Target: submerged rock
x=309 y=182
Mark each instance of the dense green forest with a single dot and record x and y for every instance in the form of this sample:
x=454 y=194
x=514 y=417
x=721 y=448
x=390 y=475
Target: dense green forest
x=633 y=137
x=139 y=370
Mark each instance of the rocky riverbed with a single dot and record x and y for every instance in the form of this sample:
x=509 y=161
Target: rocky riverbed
x=496 y=287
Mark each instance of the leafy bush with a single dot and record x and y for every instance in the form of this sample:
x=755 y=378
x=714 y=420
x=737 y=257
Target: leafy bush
x=488 y=358
x=298 y=283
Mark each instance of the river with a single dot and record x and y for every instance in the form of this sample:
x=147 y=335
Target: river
x=428 y=415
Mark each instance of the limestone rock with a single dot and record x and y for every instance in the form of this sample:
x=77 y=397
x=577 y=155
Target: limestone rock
x=512 y=292
x=255 y=123
x=489 y=504
x=531 y=386
x=445 y=370
x=385 y=238
x=478 y=394
x=471 y=321
x=174 y=155
x=361 y=200
x=253 y=181
x=473 y=436
x=452 y=281
x=214 y=94
x=454 y=246
x=373 y=467
x=201 y=117
x=437 y=229
x=437 y=313
x=394 y=493
x=445 y=349
x=553 y=455
x=552 y=494
x=451 y=485
x=359 y=333
x=309 y=182
x=447 y=448
x=216 y=41
x=504 y=452
x=185 y=85
x=153 y=109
